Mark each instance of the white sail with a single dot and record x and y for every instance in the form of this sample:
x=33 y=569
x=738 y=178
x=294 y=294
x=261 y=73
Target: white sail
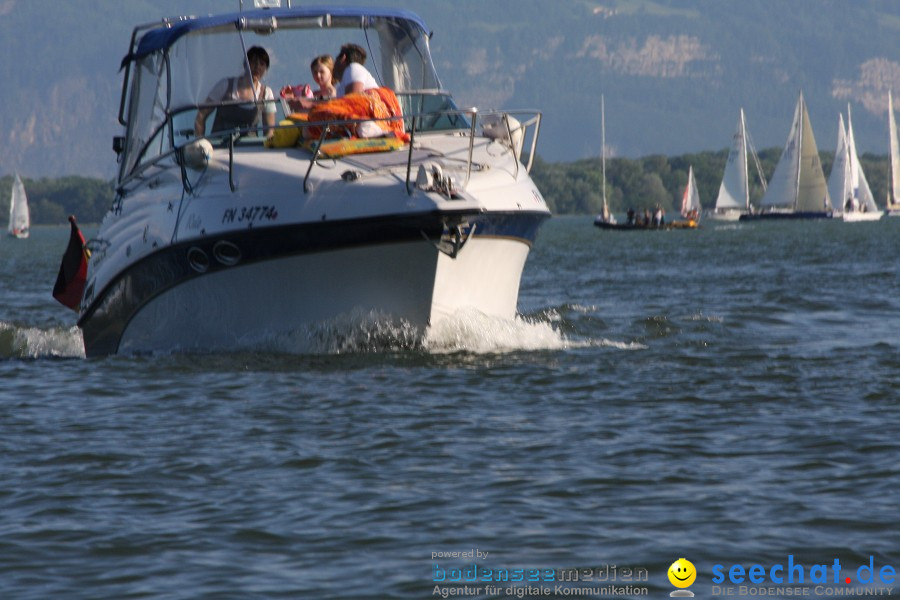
x=798 y=183
x=19 y=218
x=734 y=191
x=862 y=193
x=690 y=201
x=839 y=180
x=894 y=193
x=783 y=185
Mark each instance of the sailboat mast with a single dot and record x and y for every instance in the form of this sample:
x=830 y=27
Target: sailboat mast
x=799 y=151
x=854 y=187
x=746 y=181
x=603 y=146
x=894 y=168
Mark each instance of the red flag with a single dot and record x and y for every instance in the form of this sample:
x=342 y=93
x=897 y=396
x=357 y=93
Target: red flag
x=72 y=271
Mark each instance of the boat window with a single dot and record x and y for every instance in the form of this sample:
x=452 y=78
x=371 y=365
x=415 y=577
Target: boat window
x=413 y=60
x=172 y=82
x=163 y=84
x=147 y=108
x=435 y=111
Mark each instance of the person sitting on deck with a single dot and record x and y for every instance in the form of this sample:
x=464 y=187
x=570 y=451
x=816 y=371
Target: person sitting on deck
x=260 y=99
x=350 y=72
x=359 y=97
x=302 y=97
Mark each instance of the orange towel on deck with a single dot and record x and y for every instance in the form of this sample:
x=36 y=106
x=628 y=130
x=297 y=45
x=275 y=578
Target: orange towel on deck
x=373 y=104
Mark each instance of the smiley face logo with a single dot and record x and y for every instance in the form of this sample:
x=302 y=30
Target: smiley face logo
x=682 y=573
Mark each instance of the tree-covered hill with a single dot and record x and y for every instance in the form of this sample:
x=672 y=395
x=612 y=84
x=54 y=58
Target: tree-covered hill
x=51 y=201
x=575 y=188
x=568 y=187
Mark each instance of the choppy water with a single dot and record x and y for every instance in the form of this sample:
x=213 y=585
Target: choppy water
x=728 y=395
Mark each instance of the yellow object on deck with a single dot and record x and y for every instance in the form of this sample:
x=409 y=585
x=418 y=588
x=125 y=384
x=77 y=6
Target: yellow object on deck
x=346 y=146
x=284 y=136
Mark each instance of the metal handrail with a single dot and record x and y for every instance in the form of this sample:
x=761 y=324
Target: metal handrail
x=315 y=156
x=471 y=147
x=412 y=139
x=473 y=115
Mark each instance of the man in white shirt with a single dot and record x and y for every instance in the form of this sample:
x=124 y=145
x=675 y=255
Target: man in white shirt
x=349 y=69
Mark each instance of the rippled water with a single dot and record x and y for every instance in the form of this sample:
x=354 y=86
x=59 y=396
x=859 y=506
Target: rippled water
x=729 y=395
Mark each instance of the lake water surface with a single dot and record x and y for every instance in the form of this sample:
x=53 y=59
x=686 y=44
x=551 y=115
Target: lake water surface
x=729 y=395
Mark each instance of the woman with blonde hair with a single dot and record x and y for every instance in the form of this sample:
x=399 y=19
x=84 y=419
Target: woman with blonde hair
x=302 y=97
x=322 y=68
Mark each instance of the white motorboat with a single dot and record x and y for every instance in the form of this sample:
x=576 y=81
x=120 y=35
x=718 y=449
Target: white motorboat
x=226 y=241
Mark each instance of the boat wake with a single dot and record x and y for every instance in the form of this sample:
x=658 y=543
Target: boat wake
x=468 y=331
x=364 y=333
x=33 y=342
x=472 y=331
x=547 y=329
x=465 y=331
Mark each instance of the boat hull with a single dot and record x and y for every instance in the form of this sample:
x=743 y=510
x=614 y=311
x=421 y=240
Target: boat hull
x=270 y=302
x=775 y=216
x=724 y=216
x=688 y=224
x=859 y=216
x=270 y=287
x=635 y=227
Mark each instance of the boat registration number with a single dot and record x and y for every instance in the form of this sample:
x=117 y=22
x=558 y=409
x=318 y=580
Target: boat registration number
x=249 y=214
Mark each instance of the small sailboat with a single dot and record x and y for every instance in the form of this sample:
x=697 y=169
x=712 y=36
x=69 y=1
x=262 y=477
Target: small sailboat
x=690 y=204
x=605 y=220
x=734 y=191
x=797 y=189
x=847 y=184
x=892 y=208
x=19 y=218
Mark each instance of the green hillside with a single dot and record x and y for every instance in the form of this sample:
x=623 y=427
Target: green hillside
x=568 y=187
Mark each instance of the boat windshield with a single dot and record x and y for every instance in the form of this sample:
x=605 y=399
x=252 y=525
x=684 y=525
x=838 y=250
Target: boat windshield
x=172 y=67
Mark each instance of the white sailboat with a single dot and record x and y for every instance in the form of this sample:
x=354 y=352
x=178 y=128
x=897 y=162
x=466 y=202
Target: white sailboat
x=605 y=215
x=855 y=200
x=734 y=191
x=892 y=208
x=19 y=218
x=797 y=189
x=839 y=180
x=606 y=220
x=690 y=200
